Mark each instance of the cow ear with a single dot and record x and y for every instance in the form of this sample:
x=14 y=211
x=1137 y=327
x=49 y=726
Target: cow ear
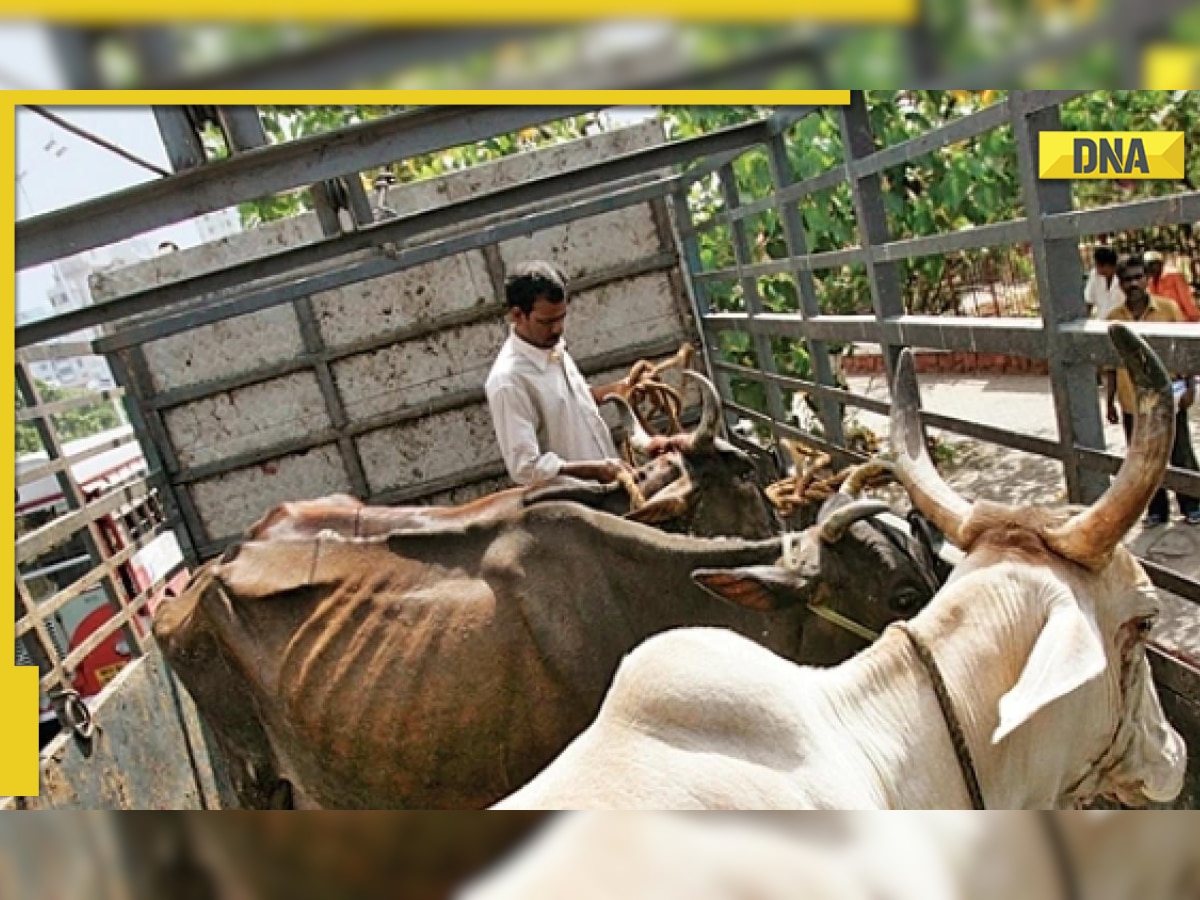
x=1067 y=655
x=760 y=588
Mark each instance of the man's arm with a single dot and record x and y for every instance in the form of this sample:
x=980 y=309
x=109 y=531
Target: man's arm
x=1110 y=390
x=515 y=422
x=599 y=392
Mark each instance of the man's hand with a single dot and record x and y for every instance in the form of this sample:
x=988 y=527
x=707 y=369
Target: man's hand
x=612 y=469
x=1189 y=395
x=1114 y=416
x=605 y=471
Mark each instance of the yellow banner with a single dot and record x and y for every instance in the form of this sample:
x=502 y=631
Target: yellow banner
x=1171 y=68
x=1110 y=154
x=469 y=12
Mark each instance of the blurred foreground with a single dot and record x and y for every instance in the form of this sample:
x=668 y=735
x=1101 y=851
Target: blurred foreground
x=980 y=44
x=625 y=856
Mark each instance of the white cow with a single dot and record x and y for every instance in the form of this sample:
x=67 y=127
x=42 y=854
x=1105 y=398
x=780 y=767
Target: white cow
x=1038 y=638
x=854 y=856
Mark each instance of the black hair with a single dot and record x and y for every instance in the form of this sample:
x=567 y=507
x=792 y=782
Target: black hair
x=1105 y=256
x=1132 y=261
x=528 y=281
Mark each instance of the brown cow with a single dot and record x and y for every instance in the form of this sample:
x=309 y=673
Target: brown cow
x=442 y=669
x=703 y=486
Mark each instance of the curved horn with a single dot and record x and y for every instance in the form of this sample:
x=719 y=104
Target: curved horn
x=1090 y=536
x=638 y=439
x=705 y=435
x=834 y=528
x=936 y=500
x=861 y=474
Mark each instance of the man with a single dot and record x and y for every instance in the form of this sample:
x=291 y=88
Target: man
x=1102 y=294
x=1170 y=284
x=1143 y=306
x=546 y=419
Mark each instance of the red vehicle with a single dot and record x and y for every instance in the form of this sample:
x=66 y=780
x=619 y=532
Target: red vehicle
x=41 y=501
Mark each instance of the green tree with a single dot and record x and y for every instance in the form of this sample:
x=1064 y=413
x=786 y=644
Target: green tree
x=79 y=422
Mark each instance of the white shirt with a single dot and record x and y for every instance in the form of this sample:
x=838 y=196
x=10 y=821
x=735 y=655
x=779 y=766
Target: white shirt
x=1102 y=298
x=543 y=412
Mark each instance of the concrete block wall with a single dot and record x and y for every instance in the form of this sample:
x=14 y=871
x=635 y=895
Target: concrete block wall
x=406 y=354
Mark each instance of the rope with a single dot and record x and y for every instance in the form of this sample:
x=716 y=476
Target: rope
x=644 y=387
x=957 y=737
x=804 y=487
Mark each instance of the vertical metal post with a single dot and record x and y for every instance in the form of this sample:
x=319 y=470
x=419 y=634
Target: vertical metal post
x=1060 y=295
x=741 y=254
x=797 y=247
x=134 y=400
x=697 y=291
x=310 y=333
x=887 y=298
x=184 y=148
x=242 y=126
x=93 y=540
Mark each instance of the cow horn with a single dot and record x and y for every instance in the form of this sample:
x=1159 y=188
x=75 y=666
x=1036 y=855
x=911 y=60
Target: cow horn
x=930 y=494
x=1090 y=536
x=638 y=439
x=834 y=528
x=861 y=474
x=703 y=439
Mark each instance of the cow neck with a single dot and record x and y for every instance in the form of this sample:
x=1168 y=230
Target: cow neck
x=957 y=736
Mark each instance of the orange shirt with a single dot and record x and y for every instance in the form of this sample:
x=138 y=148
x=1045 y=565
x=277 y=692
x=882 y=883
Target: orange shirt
x=1172 y=286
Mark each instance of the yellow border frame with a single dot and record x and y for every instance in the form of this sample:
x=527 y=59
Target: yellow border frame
x=467 y=12
x=19 y=756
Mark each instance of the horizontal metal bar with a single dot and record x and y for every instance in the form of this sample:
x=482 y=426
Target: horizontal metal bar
x=110 y=627
x=1000 y=436
x=435 y=486
x=58 y=465
x=841 y=456
x=48 y=352
x=378 y=266
x=1031 y=101
x=1021 y=337
x=393 y=232
x=790 y=194
x=94 y=576
x=995 y=235
x=1175 y=479
x=1170 y=580
x=266 y=171
x=1175 y=669
x=951 y=133
x=1176 y=209
x=1087 y=341
x=33 y=544
x=44 y=410
x=803 y=385
x=781 y=120
x=389 y=235
x=812 y=262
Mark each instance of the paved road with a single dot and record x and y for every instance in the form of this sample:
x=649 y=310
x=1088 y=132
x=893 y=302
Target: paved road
x=981 y=470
